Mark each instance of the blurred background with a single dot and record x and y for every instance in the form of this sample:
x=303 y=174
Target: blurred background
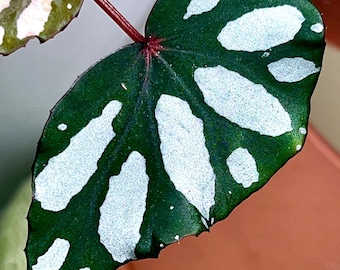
x=292 y=223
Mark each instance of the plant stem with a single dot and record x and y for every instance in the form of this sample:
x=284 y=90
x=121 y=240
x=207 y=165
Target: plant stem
x=120 y=20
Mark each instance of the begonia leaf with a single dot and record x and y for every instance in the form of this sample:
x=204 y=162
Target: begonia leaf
x=162 y=140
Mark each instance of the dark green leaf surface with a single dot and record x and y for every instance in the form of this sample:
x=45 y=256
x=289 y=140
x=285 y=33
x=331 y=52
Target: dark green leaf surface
x=139 y=154
x=22 y=20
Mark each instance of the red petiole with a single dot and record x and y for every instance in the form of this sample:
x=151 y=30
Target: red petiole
x=121 y=21
x=152 y=45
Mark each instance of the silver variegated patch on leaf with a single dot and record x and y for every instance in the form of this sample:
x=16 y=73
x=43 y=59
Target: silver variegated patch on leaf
x=54 y=257
x=144 y=151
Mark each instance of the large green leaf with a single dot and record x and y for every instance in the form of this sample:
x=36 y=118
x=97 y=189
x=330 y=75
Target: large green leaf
x=21 y=20
x=162 y=140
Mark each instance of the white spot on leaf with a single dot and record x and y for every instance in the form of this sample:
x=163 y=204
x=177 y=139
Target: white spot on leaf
x=62 y=127
x=68 y=172
x=242 y=167
x=123 y=209
x=185 y=156
x=197 y=7
x=292 y=69
x=2 y=34
x=317 y=28
x=298 y=147
x=176 y=237
x=262 y=29
x=32 y=20
x=265 y=54
x=4 y=4
x=204 y=222
x=86 y=268
x=303 y=131
x=123 y=86
x=55 y=256
x=241 y=101
x=172 y=208
x=161 y=245
x=69 y=6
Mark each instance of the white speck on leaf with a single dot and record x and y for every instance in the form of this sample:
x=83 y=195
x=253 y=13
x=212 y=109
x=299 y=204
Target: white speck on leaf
x=32 y=20
x=185 y=156
x=177 y=237
x=123 y=86
x=204 y=222
x=55 y=256
x=292 y=69
x=62 y=127
x=262 y=29
x=171 y=207
x=69 y=171
x=197 y=7
x=69 y=6
x=242 y=167
x=317 y=28
x=298 y=147
x=303 y=130
x=121 y=214
x=265 y=54
x=241 y=101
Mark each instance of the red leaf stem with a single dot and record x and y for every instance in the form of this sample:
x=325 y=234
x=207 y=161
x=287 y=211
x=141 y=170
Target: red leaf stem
x=121 y=20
